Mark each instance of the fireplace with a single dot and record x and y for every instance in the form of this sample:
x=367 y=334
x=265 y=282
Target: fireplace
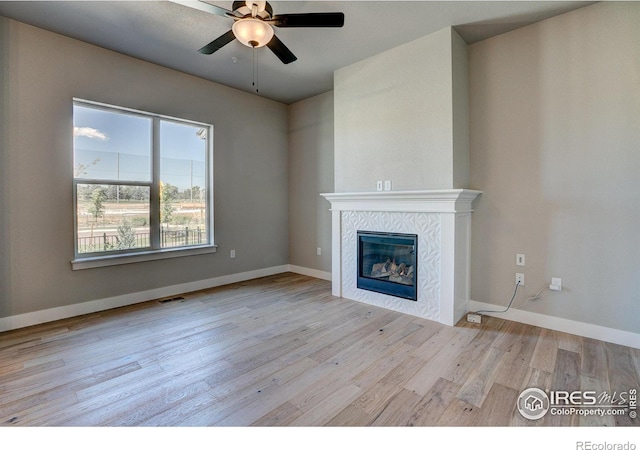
x=441 y=220
x=387 y=263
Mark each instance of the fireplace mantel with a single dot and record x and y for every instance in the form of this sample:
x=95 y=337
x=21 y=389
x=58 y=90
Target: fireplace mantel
x=441 y=219
x=445 y=200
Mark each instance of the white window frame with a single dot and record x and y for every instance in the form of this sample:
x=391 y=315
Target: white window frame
x=102 y=259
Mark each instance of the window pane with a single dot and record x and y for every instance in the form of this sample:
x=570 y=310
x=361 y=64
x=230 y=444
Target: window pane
x=183 y=196
x=111 y=145
x=112 y=217
x=120 y=158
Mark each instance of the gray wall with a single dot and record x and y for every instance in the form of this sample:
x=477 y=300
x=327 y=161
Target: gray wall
x=42 y=72
x=555 y=133
x=396 y=117
x=310 y=174
x=5 y=263
x=554 y=122
x=460 y=104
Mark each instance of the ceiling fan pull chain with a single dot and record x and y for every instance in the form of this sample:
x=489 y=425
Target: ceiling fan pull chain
x=255 y=70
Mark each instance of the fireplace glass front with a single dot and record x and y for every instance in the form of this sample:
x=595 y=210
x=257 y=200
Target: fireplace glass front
x=387 y=263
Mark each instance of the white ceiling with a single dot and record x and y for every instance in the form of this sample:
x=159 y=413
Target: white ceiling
x=170 y=34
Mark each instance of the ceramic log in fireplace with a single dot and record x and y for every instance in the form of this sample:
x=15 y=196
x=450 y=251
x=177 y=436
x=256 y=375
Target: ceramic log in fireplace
x=387 y=263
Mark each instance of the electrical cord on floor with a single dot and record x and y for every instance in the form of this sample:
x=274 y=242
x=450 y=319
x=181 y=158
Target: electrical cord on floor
x=508 y=306
x=536 y=296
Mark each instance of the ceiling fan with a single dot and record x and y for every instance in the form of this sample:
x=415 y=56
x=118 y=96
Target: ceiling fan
x=254 y=22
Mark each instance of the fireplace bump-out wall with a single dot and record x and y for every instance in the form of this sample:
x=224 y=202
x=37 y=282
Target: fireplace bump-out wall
x=403 y=115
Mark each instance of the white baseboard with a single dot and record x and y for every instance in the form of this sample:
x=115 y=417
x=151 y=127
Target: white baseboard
x=559 y=324
x=64 y=312
x=310 y=272
x=517 y=315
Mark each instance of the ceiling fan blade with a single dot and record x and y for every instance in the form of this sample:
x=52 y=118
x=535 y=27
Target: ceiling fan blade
x=217 y=44
x=204 y=6
x=281 y=50
x=309 y=20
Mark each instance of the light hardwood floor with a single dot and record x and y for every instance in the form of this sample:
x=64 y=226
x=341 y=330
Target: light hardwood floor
x=281 y=351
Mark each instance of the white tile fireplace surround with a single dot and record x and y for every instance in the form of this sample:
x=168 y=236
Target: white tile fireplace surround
x=442 y=221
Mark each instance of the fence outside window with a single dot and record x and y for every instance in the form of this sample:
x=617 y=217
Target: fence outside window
x=180 y=237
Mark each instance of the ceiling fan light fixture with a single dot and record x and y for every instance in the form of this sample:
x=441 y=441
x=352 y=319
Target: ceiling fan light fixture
x=252 y=32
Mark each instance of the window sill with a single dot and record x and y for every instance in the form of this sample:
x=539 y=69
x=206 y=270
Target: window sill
x=115 y=260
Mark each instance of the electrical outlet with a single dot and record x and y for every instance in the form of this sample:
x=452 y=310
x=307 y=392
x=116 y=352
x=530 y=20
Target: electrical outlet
x=379 y=185
x=319 y=251
x=474 y=318
x=232 y=254
x=387 y=185
x=520 y=259
x=520 y=279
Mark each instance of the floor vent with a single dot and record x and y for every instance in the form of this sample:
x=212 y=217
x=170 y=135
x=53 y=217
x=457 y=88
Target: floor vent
x=172 y=299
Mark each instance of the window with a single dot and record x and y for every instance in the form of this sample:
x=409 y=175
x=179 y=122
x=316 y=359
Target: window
x=142 y=183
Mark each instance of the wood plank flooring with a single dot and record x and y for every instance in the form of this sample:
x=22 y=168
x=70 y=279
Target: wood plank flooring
x=281 y=351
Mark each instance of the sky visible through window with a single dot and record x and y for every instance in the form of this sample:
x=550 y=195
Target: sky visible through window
x=118 y=146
